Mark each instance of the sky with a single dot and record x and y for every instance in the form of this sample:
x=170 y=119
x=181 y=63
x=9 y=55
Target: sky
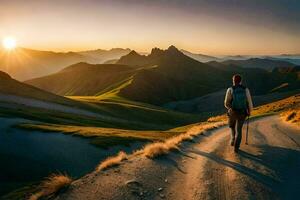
x=214 y=27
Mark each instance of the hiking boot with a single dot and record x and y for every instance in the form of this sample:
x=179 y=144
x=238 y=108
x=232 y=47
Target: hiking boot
x=232 y=143
x=236 y=150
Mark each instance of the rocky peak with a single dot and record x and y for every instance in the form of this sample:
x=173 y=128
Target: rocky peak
x=156 y=52
x=133 y=53
x=173 y=49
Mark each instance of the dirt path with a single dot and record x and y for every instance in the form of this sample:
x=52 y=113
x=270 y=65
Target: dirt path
x=267 y=168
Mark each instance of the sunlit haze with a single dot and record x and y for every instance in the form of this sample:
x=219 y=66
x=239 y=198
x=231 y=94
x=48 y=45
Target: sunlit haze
x=9 y=43
x=209 y=27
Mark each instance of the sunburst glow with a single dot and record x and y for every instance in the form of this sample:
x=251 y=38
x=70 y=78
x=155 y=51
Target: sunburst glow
x=9 y=43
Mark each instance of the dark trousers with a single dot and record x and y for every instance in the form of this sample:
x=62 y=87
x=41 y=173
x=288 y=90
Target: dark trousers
x=236 y=122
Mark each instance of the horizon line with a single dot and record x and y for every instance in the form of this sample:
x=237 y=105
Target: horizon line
x=148 y=52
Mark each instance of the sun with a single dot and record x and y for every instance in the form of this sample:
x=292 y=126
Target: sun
x=9 y=43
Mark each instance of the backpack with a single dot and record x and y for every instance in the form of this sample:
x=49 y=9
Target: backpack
x=239 y=99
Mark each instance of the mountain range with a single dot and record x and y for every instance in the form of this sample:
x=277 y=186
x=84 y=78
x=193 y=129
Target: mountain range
x=263 y=63
x=291 y=59
x=24 y=64
x=162 y=76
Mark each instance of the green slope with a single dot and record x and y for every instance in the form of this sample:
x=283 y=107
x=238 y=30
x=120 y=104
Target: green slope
x=161 y=77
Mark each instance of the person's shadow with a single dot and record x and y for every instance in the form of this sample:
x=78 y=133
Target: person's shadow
x=285 y=163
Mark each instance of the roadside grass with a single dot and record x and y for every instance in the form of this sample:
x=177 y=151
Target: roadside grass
x=162 y=148
x=288 y=108
x=51 y=186
x=292 y=116
x=112 y=161
x=157 y=149
x=278 y=106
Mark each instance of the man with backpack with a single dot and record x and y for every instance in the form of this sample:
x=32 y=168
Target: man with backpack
x=239 y=104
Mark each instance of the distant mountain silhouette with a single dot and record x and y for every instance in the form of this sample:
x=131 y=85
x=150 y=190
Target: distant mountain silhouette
x=266 y=64
x=112 y=61
x=24 y=64
x=235 y=57
x=291 y=59
x=199 y=57
x=289 y=55
x=160 y=77
x=100 y=56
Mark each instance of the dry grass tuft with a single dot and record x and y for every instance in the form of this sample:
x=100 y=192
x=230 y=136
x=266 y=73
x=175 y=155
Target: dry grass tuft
x=278 y=106
x=162 y=148
x=52 y=185
x=112 y=161
x=186 y=137
x=156 y=149
x=217 y=118
x=292 y=116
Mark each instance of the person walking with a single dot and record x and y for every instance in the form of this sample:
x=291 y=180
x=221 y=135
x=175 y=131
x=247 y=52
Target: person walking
x=239 y=104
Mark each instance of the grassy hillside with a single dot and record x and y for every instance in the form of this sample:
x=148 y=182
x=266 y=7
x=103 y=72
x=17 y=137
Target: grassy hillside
x=279 y=106
x=140 y=112
x=107 y=137
x=107 y=110
x=213 y=103
x=13 y=87
x=83 y=79
x=111 y=115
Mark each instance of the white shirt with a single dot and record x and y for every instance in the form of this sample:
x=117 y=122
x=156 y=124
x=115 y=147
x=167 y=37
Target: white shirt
x=228 y=99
